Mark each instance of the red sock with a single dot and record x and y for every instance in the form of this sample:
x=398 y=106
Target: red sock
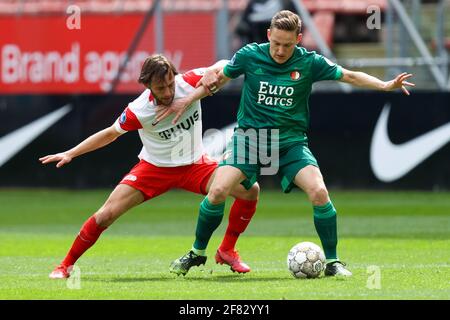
x=240 y=215
x=88 y=235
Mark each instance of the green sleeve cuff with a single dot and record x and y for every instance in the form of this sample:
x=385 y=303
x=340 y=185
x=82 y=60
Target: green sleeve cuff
x=226 y=73
x=339 y=73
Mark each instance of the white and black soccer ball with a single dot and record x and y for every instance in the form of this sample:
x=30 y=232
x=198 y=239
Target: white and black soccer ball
x=306 y=260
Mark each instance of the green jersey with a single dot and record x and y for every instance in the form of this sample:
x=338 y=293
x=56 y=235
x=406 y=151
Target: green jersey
x=276 y=95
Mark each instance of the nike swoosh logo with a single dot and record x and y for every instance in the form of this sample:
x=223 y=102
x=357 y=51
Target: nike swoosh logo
x=15 y=141
x=390 y=161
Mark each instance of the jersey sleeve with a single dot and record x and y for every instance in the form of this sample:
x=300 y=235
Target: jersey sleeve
x=127 y=121
x=237 y=65
x=324 y=69
x=193 y=76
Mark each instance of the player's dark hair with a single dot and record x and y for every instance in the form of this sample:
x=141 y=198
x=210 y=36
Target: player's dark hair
x=155 y=67
x=286 y=20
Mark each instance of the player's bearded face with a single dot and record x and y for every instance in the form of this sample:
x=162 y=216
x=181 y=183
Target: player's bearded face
x=282 y=44
x=164 y=89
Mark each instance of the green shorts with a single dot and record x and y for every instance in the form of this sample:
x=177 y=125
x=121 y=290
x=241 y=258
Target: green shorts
x=291 y=159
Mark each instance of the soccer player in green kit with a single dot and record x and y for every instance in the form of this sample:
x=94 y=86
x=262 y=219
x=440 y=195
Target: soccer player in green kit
x=278 y=81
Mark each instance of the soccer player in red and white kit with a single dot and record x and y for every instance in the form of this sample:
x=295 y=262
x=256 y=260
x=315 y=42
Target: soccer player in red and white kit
x=172 y=156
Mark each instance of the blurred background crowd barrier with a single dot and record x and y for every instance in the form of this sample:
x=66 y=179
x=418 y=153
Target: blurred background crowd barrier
x=68 y=69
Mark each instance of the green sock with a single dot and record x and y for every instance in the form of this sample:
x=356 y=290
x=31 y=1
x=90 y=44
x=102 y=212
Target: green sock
x=199 y=252
x=209 y=218
x=326 y=227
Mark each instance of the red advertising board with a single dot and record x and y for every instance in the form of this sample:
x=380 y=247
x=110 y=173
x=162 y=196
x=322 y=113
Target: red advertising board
x=40 y=54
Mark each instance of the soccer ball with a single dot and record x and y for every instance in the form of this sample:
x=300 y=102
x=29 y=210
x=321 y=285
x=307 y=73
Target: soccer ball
x=306 y=260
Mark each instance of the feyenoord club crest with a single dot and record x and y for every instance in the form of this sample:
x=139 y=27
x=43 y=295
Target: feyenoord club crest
x=295 y=75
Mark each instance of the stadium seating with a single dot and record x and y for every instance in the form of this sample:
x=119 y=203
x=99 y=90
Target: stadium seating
x=323 y=11
x=324 y=20
x=112 y=6
x=344 y=6
x=57 y=6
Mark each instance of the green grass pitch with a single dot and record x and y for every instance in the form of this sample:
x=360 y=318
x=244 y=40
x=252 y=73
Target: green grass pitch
x=396 y=244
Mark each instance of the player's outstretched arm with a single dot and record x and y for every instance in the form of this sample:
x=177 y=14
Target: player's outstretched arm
x=94 y=142
x=179 y=106
x=361 y=79
x=215 y=80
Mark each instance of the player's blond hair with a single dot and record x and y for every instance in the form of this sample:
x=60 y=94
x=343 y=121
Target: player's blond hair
x=286 y=20
x=155 y=67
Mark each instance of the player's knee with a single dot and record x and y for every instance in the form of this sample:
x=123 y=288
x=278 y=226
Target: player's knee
x=106 y=215
x=218 y=194
x=318 y=195
x=252 y=193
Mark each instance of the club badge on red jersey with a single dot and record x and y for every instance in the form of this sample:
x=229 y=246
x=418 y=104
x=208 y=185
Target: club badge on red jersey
x=123 y=117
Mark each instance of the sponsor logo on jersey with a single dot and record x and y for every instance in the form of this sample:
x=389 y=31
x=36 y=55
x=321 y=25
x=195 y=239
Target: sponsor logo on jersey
x=259 y=71
x=295 y=75
x=273 y=95
x=179 y=128
x=123 y=117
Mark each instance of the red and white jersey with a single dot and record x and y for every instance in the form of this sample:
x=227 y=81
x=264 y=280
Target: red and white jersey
x=165 y=144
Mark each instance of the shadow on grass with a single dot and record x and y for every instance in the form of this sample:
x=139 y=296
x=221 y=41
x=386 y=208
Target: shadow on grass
x=238 y=278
